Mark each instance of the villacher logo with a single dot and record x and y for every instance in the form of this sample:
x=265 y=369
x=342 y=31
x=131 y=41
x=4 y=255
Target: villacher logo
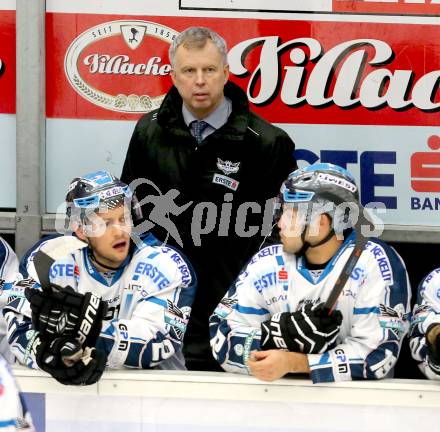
x=116 y=65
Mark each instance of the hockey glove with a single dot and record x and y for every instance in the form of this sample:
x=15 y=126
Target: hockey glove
x=67 y=362
x=64 y=312
x=309 y=330
x=433 y=342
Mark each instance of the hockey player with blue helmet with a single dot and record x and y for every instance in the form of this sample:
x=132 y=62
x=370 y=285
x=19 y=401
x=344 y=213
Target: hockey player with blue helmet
x=277 y=317
x=111 y=302
x=425 y=326
x=8 y=274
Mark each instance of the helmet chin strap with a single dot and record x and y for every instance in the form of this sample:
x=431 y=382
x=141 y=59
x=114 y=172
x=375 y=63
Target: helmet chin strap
x=306 y=245
x=92 y=256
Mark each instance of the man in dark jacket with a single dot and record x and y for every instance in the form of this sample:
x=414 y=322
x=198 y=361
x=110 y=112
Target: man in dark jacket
x=216 y=154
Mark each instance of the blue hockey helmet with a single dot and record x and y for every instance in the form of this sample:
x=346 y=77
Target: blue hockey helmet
x=320 y=182
x=315 y=187
x=96 y=191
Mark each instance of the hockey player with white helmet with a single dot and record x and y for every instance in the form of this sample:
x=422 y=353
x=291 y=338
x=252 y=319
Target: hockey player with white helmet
x=111 y=303
x=425 y=326
x=8 y=274
x=292 y=310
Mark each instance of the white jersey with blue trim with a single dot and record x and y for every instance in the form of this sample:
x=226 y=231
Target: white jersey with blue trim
x=14 y=416
x=375 y=305
x=8 y=273
x=425 y=313
x=149 y=302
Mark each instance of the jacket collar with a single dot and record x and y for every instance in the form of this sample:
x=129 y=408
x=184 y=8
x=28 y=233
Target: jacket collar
x=170 y=113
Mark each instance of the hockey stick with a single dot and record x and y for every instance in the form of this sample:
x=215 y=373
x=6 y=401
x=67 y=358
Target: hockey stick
x=358 y=248
x=51 y=251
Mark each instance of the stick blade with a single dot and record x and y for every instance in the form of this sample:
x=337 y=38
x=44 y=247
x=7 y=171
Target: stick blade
x=51 y=251
x=62 y=246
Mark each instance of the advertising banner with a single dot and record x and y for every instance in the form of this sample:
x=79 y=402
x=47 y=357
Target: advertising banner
x=54 y=412
x=363 y=95
x=7 y=62
x=393 y=7
x=377 y=7
x=307 y=73
x=7 y=104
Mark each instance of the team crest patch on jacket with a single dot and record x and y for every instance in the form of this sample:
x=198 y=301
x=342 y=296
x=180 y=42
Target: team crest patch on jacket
x=228 y=167
x=225 y=307
x=393 y=319
x=177 y=319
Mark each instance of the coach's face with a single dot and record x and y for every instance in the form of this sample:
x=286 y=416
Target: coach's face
x=200 y=76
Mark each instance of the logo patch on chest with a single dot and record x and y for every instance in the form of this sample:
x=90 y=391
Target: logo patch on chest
x=228 y=167
x=223 y=180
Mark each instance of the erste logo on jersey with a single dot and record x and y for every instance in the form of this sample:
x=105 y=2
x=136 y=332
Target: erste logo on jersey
x=120 y=65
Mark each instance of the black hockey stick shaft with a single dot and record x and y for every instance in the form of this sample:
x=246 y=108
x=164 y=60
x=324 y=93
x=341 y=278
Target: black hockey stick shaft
x=358 y=248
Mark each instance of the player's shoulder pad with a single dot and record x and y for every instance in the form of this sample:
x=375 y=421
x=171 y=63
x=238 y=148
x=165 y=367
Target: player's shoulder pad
x=62 y=267
x=265 y=261
x=267 y=256
x=163 y=265
x=431 y=281
x=8 y=260
x=28 y=257
x=4 y=249
x=387 y=260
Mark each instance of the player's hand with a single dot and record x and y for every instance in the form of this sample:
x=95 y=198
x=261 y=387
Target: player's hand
x=64 y=312
x=274 y=364
x=309 y=330
x=67 y=362
x=433 y=341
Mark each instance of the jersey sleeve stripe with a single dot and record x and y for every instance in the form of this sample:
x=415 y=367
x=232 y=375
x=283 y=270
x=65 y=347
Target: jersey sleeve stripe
x=366 y=310
x=251 y=310
x=157 y=301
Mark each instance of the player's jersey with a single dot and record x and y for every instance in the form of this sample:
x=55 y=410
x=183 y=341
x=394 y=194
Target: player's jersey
x=14 y=416
x=426 y=312
x=149 y=302
x=8 y=273
x=375 y=305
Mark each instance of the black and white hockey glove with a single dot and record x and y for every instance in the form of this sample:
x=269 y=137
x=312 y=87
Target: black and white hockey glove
x=309 y=330
x=433 y=343
x=67 y=362
x=61 y=311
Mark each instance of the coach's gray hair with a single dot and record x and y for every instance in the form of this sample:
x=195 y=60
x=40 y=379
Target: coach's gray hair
x=196 y=37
